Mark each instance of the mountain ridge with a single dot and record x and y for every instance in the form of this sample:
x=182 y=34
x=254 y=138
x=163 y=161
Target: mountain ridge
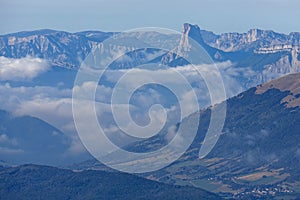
x=257 y=57
x=26 y=139
x=251 y=37
x=44 y=182
x=257 y=151
x=87 y=39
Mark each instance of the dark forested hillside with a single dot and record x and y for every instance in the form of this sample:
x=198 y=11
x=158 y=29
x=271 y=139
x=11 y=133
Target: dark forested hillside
x=41 y=182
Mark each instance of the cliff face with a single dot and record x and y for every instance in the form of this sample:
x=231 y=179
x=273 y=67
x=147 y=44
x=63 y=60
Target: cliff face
x=258 y=55
x=287 y=61
x=266 y=54
x=60 y=48
x=253 y=39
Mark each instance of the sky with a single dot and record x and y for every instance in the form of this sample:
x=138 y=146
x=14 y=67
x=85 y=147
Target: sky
x=119 y=15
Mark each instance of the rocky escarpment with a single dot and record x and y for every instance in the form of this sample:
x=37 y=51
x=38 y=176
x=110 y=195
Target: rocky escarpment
x=264 y=54
x=258 y=55
x=253 y=39
x=59 y=48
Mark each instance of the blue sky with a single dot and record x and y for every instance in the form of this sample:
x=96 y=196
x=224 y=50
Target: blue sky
x=118 y=15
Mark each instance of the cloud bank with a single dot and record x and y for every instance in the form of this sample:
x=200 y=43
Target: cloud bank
x=22 y=68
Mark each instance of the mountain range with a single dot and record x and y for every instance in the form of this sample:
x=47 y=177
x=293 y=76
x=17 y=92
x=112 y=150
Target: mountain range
x=258 y=55
x=257 y=155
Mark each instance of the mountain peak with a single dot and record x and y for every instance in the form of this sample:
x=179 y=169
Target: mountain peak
x=253 y=34
x=188 y=27
x=189 y=31
x=192 y=31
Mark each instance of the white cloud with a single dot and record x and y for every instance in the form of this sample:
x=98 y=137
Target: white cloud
x=21 y=68
x=54 y=105
x=4 y=139
x=230 y=75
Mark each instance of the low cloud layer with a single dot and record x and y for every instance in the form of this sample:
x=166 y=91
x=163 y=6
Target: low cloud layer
x=21 y=69
x=54 y=104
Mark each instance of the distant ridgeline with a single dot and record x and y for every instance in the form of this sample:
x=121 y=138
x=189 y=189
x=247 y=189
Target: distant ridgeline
x=268 y=54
